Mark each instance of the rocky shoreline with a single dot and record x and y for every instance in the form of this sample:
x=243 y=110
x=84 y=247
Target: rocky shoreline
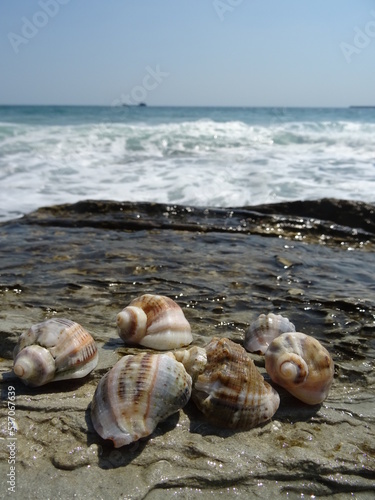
x=312 y=261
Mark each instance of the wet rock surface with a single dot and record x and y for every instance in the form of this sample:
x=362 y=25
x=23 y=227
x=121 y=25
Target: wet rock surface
x=311 y=261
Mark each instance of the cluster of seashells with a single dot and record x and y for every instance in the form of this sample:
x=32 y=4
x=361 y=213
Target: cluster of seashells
x=142 y=390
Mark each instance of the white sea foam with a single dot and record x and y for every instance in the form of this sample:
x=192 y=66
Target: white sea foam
x=196 y=162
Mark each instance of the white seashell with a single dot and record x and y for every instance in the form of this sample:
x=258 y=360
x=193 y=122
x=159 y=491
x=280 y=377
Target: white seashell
x=136 y=394
x=229 y=390
x=193 y=359
x=56 y=349
x=154 y=321
x=301 y=365
x=264 y=329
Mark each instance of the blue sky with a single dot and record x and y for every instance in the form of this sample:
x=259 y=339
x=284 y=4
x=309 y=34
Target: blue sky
x=188 y=52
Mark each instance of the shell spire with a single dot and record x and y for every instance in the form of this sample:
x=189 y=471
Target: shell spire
x=193 y=359
x=56 y=349
x=301 y=365
x=154 y=321
x=34 y=365
x=264 y=329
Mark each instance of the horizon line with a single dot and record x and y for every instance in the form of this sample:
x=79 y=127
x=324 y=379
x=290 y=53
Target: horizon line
x=193 y=106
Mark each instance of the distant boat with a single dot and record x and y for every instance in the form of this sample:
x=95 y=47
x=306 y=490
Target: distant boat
x=140 y=104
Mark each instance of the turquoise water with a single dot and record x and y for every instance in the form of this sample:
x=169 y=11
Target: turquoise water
x=198 y=156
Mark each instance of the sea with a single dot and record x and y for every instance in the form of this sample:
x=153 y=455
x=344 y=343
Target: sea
x=201 y=156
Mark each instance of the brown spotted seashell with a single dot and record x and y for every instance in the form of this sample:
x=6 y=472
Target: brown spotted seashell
x=264 y=329
x=301 y=365
x=136 y=394
x=230 y=391
x=56 y=349
x=154 y=321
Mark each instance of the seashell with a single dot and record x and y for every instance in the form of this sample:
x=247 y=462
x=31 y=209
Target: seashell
x=264 y=329
x=56 y=349
x=301 y=365
x=154 y=321
x=193 y=359
x=230 y=391
x=136 y=394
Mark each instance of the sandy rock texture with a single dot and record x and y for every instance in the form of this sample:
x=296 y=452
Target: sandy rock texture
x=311 y=261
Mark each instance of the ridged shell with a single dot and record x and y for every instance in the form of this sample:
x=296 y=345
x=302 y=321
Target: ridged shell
x=136 y=394
x=301 y=365
x=230 y=391
x=56 y=349
x=264 y=329
x=154 y=321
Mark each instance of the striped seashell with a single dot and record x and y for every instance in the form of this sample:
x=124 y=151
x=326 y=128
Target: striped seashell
x=154 y=321
x=230 y=391
x=264 y=329
x=136 y=394
x=301 y=365
x=56 y=349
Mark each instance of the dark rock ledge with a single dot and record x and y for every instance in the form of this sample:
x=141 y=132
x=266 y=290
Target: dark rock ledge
x=326 y=220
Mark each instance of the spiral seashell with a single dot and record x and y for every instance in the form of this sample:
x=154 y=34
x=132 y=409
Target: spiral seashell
x=136 y=394
x=264 y=329
x=193 y=359
x=230 y=391
x=56 y=349
x=154 y=321
x=301 y=365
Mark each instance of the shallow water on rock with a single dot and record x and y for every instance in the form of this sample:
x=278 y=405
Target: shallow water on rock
x=311 y=261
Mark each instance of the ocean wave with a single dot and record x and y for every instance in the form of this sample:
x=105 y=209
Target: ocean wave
x=203 y=162
x=200 y=135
